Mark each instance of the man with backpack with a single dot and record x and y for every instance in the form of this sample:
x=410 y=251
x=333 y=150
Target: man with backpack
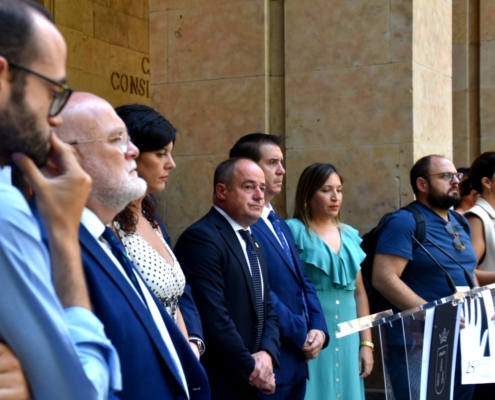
x=404 y=274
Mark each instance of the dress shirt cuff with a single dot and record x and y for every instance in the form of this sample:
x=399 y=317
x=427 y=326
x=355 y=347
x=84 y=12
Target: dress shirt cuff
x=98 y=356
x=199 y=342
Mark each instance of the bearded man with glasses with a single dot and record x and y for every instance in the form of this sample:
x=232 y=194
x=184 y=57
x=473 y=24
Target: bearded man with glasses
x=45 y=311
x=404 y=274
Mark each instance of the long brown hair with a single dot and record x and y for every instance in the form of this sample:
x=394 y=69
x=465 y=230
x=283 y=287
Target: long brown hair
x=311 y=179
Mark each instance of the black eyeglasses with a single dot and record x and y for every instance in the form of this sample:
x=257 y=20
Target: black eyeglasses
x=458 y=243
x=449 y=176
x=60 y=97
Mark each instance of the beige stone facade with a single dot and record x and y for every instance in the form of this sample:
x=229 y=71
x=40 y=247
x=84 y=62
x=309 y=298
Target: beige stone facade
x=369 y=85
x=108 y=47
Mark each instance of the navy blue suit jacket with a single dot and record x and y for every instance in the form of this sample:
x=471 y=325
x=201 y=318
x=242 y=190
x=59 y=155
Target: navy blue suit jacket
x=216 y=268
x=287 y=287
x=186 y=302
x=144 y=358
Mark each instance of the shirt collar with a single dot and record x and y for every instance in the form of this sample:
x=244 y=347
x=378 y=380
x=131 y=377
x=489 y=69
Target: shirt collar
x=235 y=225
x=6 y=174
x=266 y=211
x=92 y=223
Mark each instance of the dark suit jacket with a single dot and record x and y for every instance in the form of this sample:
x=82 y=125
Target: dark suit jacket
x=216 y=268
x=287 y=287
x=145 y=360
x=186 y=302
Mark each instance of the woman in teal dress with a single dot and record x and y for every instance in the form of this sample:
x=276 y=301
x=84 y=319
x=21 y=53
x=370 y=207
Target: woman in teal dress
x=331 y=255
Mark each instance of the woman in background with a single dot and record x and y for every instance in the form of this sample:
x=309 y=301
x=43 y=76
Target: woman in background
x=468 y=195
x=332 y=256
x=481 y=217
x=137 y=225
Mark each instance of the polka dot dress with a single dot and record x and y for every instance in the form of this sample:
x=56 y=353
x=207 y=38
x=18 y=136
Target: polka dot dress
x=166 y=281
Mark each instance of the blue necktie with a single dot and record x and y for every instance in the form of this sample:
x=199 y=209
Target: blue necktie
x=256 y=276
x=120 y=254
x=278 y=230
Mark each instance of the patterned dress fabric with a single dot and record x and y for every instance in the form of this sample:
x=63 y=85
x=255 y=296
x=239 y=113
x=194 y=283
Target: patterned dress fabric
x=166 y=281
x=335 y=373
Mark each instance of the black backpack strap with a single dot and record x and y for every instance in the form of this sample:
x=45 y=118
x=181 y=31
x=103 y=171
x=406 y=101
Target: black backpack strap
x=420 y=232
x=462 y=220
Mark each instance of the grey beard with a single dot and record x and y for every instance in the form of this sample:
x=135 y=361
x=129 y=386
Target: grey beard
x=116 y=197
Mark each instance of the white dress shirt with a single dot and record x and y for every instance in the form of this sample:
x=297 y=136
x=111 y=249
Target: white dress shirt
x=236 y=227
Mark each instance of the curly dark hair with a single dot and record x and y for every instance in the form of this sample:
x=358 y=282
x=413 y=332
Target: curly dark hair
x=148 y=131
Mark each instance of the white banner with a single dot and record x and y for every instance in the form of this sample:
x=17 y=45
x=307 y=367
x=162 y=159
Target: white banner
x=478 y=340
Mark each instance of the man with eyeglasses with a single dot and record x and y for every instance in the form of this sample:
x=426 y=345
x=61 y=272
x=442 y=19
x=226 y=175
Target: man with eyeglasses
x=45 y=311
x=157 y=361
x=402 y=272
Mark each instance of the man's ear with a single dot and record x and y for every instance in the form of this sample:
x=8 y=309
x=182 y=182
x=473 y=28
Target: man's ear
x=5 y=79
x=220 y=191
x=422 y=184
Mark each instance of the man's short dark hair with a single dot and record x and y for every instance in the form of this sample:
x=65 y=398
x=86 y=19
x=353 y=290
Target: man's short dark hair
x=17 y=39
x=249 y=146
x=225 y=171
x=421 y=169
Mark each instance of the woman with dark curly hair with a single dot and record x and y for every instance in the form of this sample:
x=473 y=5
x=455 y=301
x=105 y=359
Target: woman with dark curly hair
x=138 y=226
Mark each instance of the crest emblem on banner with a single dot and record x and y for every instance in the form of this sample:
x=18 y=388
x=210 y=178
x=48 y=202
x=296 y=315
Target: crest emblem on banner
x=441 y=365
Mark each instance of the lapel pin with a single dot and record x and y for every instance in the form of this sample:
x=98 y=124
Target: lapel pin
x=256 y=243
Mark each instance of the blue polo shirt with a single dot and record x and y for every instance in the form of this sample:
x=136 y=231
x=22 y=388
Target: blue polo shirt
x=422 y=274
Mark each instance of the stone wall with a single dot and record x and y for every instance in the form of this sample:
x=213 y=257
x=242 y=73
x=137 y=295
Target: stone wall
x=217 y=74
x=370 y=85
x=365 y=84
x=108 y=43
x=466 y=80
x=487 y=75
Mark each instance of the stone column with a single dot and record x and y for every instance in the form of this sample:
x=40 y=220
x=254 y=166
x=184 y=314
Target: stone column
x=487 y=75
x=465 y=81
x=217 y=74
x=368 y=88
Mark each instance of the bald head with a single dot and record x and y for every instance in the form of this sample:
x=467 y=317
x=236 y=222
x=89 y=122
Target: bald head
x=84 y=116
x=97 y=131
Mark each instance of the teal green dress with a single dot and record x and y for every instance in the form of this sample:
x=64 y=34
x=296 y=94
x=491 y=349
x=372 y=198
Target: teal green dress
x=335 y=373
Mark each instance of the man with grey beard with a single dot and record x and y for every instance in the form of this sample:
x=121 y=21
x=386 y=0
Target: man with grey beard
x=157 y=361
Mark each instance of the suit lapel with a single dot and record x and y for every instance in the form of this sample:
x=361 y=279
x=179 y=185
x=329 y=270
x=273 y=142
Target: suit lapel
x=144 y=315
x=232 y=242
x=264 y=230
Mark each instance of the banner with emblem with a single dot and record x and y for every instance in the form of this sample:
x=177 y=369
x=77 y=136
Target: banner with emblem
x=439 y=352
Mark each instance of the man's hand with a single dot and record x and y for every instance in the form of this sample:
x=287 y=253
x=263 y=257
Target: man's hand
x=62 y=187
x=13 y=384
x=262 y=376
x=61 y=193
x=314 y=343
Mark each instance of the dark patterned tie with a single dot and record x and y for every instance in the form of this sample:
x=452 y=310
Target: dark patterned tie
x=278 y=230
x=256 y=276
x=120 y=254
